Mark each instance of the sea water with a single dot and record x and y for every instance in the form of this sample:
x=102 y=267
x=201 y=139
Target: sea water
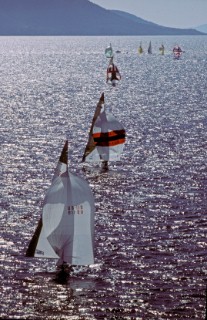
x=151 y=219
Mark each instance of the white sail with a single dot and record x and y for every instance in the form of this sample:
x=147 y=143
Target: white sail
x=109 y=52
x=67 y=229
x=106 y=137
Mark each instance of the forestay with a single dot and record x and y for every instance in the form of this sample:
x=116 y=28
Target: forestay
x=66 y=229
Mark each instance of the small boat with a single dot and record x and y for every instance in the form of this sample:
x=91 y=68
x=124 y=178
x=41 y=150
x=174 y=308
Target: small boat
x=66 y=228
x=109 y=52
x=106 y=137
x=150 y=48
x=177 y=52
x=162 y=49
x=112 y=73
x=140 y=49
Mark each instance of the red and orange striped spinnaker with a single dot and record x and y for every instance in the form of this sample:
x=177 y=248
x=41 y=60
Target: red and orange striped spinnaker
x=109 y=139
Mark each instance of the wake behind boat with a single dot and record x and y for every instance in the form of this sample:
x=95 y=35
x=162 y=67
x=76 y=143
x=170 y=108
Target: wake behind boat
x=66 y=228
x=106 y=137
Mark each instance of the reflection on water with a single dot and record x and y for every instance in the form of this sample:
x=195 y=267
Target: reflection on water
x=150 y=225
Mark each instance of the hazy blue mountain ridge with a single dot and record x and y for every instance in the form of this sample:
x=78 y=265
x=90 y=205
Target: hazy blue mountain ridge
x=74 y=17
x=202 y=28
x=167 y=29
x=132 y=17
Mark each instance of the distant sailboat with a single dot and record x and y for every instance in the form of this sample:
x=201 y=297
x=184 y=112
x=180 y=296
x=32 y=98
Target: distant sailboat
x=109 y=52
x=112 y=73
x=66 y=228
x=150 y=48
x=177 y=52
x=106 y=137
x=162 y=49
x=140 y=49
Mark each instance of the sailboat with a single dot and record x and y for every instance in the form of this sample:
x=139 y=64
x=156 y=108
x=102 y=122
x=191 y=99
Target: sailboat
x=140 y=49
x=162 y=49
x=106 y=137
x=150 y=48
x=112 y=73
x=65 y=230
x=177 y=52
x=109 y=52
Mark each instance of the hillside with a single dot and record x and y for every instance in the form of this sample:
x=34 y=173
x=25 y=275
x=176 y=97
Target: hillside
x=202 y=28
x=74 y=17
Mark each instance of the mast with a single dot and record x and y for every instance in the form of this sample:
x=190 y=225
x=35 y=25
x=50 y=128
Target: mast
x=91 y=144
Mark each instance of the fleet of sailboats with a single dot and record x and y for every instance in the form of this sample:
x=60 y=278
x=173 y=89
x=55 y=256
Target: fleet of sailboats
x=177 y=51
x=65 y=231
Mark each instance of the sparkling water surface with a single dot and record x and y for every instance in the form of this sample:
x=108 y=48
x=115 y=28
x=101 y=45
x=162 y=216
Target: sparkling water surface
x=151 y=219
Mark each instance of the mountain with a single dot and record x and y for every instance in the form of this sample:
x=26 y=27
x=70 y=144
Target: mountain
x=157 y=28
x=202 y=28
x=74 y=17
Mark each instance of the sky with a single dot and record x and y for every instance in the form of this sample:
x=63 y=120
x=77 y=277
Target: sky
x=169 y=13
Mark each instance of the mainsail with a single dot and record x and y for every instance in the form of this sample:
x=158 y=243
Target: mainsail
x=150 y=48
x=106 y=137
x=66 y=228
